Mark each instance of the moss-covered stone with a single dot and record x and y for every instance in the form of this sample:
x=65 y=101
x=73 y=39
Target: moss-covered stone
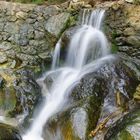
x=137 y=94
x=8 y=132
x=126 y=128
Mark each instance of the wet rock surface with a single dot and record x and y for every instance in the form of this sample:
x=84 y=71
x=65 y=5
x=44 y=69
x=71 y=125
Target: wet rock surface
x=19 y=93
x=87 y=104
x=126 y=128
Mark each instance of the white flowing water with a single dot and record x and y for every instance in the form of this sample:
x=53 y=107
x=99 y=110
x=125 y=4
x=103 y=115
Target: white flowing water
x=88 y=51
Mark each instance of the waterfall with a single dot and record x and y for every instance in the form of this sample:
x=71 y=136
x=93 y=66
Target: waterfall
x=88 y=51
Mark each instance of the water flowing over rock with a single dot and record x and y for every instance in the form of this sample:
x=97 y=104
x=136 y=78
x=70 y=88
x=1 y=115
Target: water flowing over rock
x=25 y=47
x=86 y=92
x=87 y=52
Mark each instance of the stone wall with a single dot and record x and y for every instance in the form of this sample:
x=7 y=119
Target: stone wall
x=28 y=32
x=122 y=26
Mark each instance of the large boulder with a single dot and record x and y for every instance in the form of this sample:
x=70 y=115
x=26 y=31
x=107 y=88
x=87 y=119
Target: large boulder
x=93 y=98
x=57 y=24
x=19 y=92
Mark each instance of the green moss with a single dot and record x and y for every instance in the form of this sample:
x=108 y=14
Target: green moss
x=73 y=20
x=120 y=129
x=124 y=135
x=31 y=1
x=93 y=107
x=56 y=1
x=114 y=48
x=41 y=1
x=137 y=2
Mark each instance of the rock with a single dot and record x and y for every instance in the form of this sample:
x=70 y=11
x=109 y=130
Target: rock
x=10 y=28
x=45 y=55
x=93 y=95
x=12 y=18
x=4 y=46
x=1 y=82
x=39 y=35
x=3 y=58
x=1 y=27
x=27 y=91
x=126 y=128
x=133 y=64
x=129 y=32
x=56 y=24
x=134 y=40
x=78 y=119
x=137 y=94
x=8 y=132
x=7 y=99
x=19 y=93
x=130 y=1
x=23 y=41
x=51 y=11
x=21 y=15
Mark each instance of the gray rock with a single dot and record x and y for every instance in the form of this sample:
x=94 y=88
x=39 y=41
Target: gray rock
x=129 y=31
x=3 y=58
x=1 y=27
x=38 y=26
x=39 y=35
x=21 y=15
x=134 y=40
x=4 y=46
x=11 y=28
x=12 y=18
x=56 y=24
x=45 y=55
x=23 y=41
x=51 y=11
x=34 y=43
x=30 y=20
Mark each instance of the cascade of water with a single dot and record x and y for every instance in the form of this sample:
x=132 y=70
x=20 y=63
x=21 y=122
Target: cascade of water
x=87 y=51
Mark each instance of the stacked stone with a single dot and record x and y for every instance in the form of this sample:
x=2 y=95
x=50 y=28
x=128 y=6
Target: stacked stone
x=29 y=31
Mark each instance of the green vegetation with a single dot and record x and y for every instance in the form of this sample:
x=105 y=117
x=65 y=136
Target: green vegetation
x=31 y=1
x=114 y=47
x=41 y=1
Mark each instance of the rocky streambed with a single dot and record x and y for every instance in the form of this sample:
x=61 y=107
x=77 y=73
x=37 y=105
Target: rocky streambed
x=105 y=104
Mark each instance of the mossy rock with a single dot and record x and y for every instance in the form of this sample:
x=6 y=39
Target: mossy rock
x=137 y=94
x=77 y=120
x=126 y=128
x=8 y=132
x=8 y=99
